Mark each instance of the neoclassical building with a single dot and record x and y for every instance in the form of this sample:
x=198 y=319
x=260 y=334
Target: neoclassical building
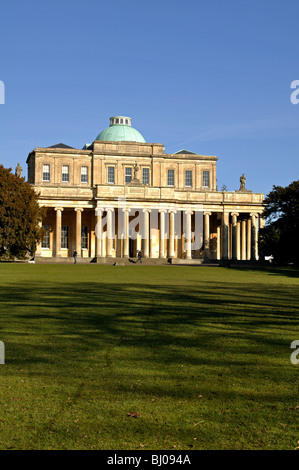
x=121 y=194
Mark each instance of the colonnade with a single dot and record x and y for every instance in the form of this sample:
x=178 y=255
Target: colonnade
x=240 y=235
x=224 y=235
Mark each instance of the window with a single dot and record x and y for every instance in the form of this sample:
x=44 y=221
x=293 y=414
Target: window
x=188 y=178
x=170 y=178
x=128 y=175
x=46 y=239
x=46 y=172
x=64 y=237
x=84 y=237
x=206 y=179
x=110 y=174
x=65 y=174
x=145 y=175
x=84 y=174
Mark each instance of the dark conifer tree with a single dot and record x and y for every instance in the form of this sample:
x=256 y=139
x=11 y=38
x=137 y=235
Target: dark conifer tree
x=20 y=214
x=280 y=237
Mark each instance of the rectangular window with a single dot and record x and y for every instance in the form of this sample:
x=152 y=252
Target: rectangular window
x=170 y=178
x=110 y=178
x=64 y=237
x=65 y=173
x=46 y=172
x=145 y=175
x=84 y=174
x=206 y=179
x=188 y=178
x=46 y=239
x=128 y=175
x=84 y=237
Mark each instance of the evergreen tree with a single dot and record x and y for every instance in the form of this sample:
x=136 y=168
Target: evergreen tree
x=281 y=235
x=19 y=216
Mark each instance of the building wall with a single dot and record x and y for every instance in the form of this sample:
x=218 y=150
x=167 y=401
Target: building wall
x=120 y=156
x=66 y=198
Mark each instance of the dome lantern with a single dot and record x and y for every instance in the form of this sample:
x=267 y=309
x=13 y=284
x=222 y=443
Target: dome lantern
x=120 y=130
x=122 y=120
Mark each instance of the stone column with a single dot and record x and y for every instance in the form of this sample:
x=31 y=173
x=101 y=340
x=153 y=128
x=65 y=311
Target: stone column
x=234 y=236
x=248 y=257
x=78 y=231
x=99 y=232
x=207 y=235
x=239 y=240
x=171 y=253
x=229 y=241
x=188 y=237
x=162 y=253
x=253 y=236
x=58 y=230
x=126 y=233
x=110 y=234
x=243 y=240
x=225 y=223
x=38 y=251
x=154 y=239
x=257 y=238
x=218 y=242
x=146 y=234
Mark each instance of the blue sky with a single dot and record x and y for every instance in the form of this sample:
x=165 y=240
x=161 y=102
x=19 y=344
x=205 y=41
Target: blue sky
x=211 y=77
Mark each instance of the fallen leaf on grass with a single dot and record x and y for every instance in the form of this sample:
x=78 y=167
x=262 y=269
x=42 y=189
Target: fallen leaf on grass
x=134 y=415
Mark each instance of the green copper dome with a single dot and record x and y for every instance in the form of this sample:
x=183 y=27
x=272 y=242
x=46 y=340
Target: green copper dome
x=120 y=130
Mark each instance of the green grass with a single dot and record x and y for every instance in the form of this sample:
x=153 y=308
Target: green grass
x=201 y=354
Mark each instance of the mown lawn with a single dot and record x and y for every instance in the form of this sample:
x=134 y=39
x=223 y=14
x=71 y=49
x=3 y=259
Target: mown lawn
x=200 y=354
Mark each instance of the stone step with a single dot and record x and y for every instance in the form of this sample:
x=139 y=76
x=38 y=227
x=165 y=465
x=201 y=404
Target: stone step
x=119 y=261
x=60 y=260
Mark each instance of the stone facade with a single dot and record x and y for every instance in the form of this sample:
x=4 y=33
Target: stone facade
x=94 y=195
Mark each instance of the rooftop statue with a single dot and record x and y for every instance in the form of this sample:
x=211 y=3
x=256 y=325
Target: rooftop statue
x=136 y=170
x=242 y=181
x=18 y=171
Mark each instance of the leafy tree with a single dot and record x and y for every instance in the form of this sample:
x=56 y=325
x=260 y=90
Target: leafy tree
x=280 y=237
x=19 y=216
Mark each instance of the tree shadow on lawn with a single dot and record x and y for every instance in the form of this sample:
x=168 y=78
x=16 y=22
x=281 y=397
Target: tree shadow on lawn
x=288 y=271
x=67 y=323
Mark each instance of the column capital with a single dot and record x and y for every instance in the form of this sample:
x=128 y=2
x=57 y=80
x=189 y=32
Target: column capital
x=79 y=209
x=58 y=209
x=109 y=209
x=207 y=213
x=188 y=212
x=126 y=209
x=235 y=213
x=146 y=210
x=254 y=214
x=162 y=211
x=99 y=209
